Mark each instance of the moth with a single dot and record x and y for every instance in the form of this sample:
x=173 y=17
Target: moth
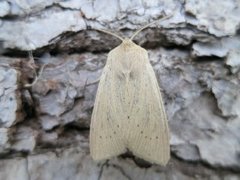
x=128 y=113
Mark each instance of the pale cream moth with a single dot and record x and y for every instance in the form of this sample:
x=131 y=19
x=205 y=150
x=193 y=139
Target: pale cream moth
x=129 y=112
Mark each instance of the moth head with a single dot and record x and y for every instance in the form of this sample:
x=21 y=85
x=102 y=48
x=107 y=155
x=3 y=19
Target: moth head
x=127 y=41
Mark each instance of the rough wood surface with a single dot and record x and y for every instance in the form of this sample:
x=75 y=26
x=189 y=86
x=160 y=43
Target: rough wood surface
x=195 y=54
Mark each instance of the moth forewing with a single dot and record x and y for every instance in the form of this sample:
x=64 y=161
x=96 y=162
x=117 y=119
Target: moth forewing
x=104 y=132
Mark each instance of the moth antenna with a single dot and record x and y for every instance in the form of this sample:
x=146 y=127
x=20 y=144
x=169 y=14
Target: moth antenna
x=144 y=27
x=111 y=33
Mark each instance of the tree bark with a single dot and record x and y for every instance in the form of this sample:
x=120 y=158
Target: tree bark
x=44 y=126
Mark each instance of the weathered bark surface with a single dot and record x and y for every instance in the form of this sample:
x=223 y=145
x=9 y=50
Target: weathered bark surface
x=196 y=57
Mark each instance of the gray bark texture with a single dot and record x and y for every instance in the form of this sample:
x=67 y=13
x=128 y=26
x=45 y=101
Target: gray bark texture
x=44 y=127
